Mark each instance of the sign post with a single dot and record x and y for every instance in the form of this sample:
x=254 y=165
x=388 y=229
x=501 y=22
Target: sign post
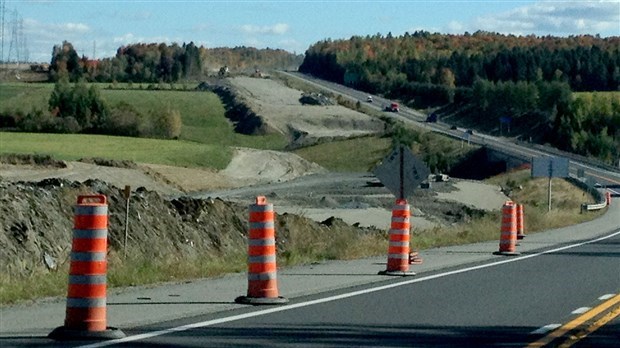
x=126 y=194
x=550 y=167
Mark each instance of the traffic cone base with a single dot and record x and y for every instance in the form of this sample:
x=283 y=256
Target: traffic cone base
x=397 y=273
x=261 y=300
x=63 y=333
x=507 y=253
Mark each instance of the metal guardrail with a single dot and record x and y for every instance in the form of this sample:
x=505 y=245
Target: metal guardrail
x=598 y=195
x=597 y=206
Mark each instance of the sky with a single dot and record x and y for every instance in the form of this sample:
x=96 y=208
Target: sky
x=97 y=28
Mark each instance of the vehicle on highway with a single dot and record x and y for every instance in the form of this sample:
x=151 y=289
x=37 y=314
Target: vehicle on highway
x=393 y=107
x=470 y=132
x=369 y=99
x=432 y=118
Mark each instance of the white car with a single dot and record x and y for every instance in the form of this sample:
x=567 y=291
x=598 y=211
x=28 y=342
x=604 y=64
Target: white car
x=369 y=99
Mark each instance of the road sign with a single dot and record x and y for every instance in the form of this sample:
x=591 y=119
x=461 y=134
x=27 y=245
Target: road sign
x=401 y=172
x=552 y=167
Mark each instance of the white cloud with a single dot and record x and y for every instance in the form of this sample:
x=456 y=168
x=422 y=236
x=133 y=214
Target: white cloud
x=554 y=18
x=130 y=38
x=455 y=27
x=276 y=29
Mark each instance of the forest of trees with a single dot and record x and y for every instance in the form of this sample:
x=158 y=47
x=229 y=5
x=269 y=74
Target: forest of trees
x=488 y=77
x=153 y=63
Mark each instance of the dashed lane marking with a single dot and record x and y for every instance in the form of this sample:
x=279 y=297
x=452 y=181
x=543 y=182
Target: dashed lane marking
x=543 y=330
x=580 y=310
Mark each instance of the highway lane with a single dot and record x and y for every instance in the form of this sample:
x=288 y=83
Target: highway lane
x=507 y=301
x=606 y=176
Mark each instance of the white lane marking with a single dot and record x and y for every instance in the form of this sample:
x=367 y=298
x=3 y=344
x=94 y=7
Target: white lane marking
x=333 y=298
x=543 y=330
x=606 y=297
x=580 y=310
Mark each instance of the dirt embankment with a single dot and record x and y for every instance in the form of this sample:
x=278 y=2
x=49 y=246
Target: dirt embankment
x=36 y=220
x=261 y=106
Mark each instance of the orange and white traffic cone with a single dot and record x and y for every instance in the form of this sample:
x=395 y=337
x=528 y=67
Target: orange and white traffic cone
x=262 y=270
x=520 y=222
x=508 y=236
x=398 y=249
x=608 y=197
x=86 y=297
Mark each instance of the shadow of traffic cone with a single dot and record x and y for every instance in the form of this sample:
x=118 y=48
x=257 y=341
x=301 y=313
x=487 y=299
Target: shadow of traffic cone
x=520 y=222
x=508 y=236
x=262 y=270
x=86 y=296
x=398 y=249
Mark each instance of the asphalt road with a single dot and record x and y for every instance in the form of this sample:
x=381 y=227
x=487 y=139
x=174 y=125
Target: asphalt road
x=485 y=305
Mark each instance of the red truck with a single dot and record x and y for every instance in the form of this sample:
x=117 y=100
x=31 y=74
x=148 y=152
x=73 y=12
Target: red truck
x=393 y=107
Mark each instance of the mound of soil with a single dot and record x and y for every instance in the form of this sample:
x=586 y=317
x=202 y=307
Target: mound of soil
x=36 y=222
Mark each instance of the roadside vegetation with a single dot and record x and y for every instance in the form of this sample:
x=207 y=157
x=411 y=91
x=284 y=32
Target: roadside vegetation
x=72 y=147
x=364 y=154
x=304 y=245
x=523 y=189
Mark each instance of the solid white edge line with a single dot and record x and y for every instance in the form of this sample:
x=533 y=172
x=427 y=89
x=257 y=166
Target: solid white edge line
x=336 y=297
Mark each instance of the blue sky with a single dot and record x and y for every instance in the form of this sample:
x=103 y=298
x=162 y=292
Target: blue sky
x=101 y=26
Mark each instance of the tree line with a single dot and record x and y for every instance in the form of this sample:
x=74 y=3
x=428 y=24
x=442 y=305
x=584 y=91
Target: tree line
x=494 y=81
x=154 y=63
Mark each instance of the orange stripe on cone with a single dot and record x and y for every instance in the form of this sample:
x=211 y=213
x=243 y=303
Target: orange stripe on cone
x=398 y=248
x=86 y=293
x=262 y=268
x=508 y=231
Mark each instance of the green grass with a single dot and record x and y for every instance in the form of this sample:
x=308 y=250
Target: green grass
x=202 y=113
x=75 y=146
x=24 y=97
x=609 y=94
x=353 y=155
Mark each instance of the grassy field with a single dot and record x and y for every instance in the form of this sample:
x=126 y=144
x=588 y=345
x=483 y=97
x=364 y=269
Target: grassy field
x=206 y=134
x=180 y=153
x=353 y=155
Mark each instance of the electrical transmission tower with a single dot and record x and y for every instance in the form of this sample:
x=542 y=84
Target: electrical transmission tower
x=18 y=52
x=2 y=23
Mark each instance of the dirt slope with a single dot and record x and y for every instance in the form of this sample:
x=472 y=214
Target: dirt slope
x=280 y=108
